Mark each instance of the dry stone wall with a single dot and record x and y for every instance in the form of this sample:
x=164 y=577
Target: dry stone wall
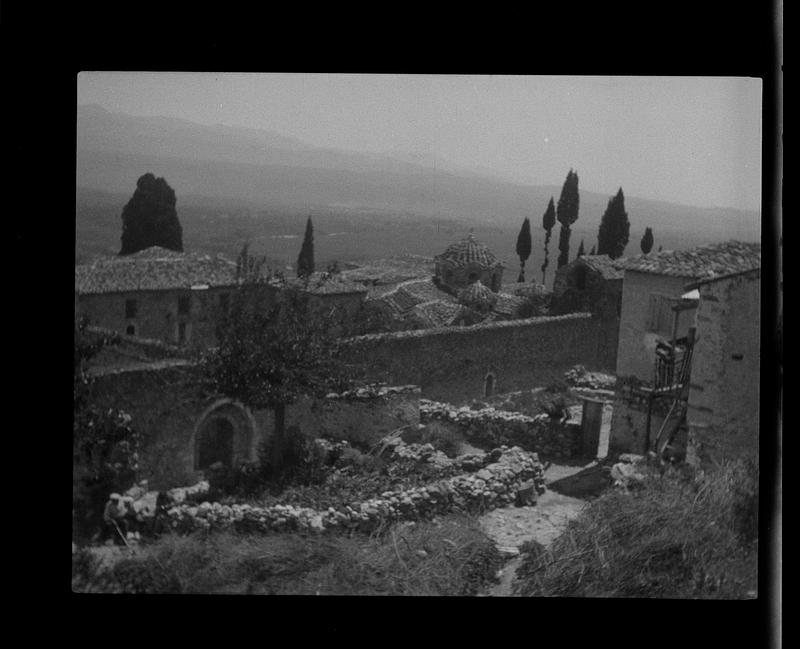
x=451 y=364
x=488 y=428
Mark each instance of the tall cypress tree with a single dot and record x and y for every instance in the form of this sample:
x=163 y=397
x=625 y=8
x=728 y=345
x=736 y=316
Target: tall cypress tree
x=581 y=251
x=592 y=251
x=647 y=241
x=523 y=247
x=150 y=217
x=567 y=214
x=548 y=221
x=614 y=228
x=305 y=260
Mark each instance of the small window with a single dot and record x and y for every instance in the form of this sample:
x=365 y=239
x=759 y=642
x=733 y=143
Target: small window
x=473 y=277
x=488 y=385
x=131 y=309
x=130 y=330
x=181 y=332
x=183 y=305
x=660 y=316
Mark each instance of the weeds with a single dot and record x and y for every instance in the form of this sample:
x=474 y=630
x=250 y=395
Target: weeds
x=679 y=536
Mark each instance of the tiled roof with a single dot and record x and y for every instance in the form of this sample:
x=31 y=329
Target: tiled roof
x=437 y=313
x=525 y=289
x=478 y=295
x=508 y=305
x=467 y=251
x=154 y=269
x=405 y=296
x=700 y=263
x=754 y=272
x=390 y=271
x=603 y=264
x=324 y=284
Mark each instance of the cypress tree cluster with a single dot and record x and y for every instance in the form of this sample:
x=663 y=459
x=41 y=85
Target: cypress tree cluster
x=614 y=228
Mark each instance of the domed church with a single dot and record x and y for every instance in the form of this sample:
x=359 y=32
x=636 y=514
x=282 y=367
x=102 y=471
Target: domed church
x=466 y=262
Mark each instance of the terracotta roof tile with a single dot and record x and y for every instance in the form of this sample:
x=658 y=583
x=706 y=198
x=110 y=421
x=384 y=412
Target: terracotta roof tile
x=603 y=264
x=467 y=251
x=699 y=263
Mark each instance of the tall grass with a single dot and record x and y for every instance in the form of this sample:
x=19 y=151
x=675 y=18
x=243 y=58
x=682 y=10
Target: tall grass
x=449 y=557
x=681 y=535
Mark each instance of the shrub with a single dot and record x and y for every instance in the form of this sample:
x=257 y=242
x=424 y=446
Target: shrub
x=442 y=438
x=679 y=536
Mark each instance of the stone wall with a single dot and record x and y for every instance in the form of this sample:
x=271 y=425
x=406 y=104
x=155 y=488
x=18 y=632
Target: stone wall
x=489 y=428
x=724 y=390
x=452 y=364
x=170 y=406
x=629 y=421
x=637 y=344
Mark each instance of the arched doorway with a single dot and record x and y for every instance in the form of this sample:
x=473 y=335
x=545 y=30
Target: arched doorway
x=215 y=442
x=488 y=385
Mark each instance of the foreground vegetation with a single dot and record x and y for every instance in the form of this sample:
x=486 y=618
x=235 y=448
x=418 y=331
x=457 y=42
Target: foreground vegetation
x=680 y=535
x=451 y=556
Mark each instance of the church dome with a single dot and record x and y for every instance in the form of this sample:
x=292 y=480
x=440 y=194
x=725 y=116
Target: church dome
x=469 y=251
x=477 y=296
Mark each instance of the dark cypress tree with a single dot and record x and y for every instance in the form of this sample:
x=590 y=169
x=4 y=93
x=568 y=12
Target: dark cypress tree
x=581 y=251
x=305 y=260
x=150 y=218
x=548 y=221
x=592 y=251
x=523 y=247
x=567 y=214
x=660 y=248
x=614 y=228
x=647 y=241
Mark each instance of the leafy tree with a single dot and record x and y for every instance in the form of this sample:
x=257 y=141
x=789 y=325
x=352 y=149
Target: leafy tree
x=524 y=247
x=104 y=442
x=614 y=228
x=274 y=346
x=647 y=241
x=592 y=251
x=548 y=221
x=150 y=218
x=567 y=214
x=581 y=251
x=305 y=260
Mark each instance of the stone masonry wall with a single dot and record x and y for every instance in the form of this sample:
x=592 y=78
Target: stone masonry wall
x=452 y=364
x=629 y=421
x=724 y=390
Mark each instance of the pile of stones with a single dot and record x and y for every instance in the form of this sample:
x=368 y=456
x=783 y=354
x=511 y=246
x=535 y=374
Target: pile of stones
x=506 y=472
x=488 y=428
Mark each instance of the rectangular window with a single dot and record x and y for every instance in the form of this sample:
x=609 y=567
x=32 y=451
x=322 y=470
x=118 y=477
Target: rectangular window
x=181 y=333
x=131 y=309
x=183 y=305
x=660 y=316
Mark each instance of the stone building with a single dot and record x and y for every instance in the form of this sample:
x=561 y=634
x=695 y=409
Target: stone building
x=711 y=330
x=652 y=308
x=589 y=283
x=723 y=408
x=465 y=262
x=178 y=297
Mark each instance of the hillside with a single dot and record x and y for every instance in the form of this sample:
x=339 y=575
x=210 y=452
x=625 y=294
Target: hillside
x=235 y=184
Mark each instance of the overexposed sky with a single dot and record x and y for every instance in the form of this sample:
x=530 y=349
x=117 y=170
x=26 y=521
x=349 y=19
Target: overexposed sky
x=691 y=140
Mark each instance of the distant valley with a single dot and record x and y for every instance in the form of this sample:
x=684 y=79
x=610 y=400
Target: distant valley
x=235 y=185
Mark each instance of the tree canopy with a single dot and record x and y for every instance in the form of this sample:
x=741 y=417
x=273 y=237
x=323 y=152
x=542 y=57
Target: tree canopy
x=567 y=214
x=647 y=241
x=524 y=246
x=305 y=260
x=614 y=228
x=150 y=218
x=548 y=221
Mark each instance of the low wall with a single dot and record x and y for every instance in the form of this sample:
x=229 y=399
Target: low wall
x=452 y=364
x=168 y=404
x=495 y=485
x=490 y=428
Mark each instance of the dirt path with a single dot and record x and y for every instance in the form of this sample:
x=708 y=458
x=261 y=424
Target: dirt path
x=510 y=527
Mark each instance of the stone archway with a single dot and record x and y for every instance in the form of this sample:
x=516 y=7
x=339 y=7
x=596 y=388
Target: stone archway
x=225 y=432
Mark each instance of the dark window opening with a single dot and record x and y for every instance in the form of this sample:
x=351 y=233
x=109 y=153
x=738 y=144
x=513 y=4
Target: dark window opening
x=580 y=278
x=495 y=283
x=181 y=332
x=183 y=305
x=131 y=308
x=216 y=443
x=224 y=302
x=473 y=277
x=130 y=330
x=488 y=385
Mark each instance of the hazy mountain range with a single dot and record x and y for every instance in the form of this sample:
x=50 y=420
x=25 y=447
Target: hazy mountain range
x=236 y=182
